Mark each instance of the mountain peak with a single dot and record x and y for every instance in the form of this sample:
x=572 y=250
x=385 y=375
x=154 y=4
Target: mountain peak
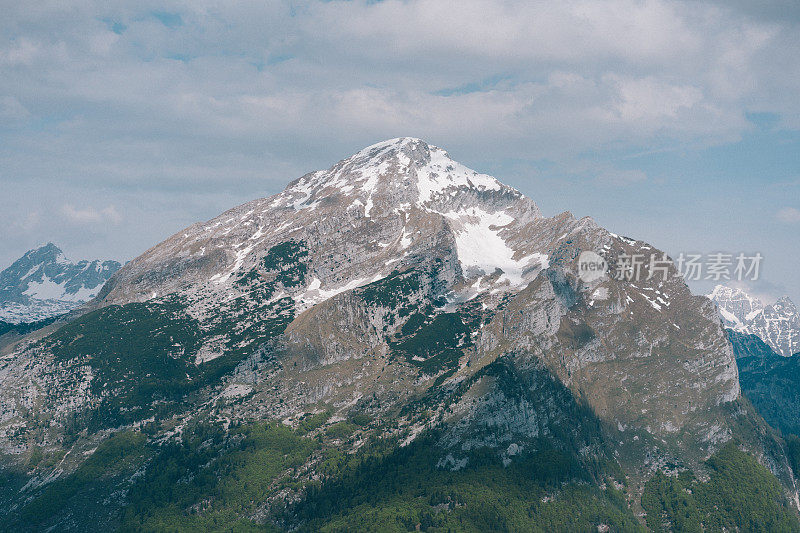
x=398 y=144
x=786 y=303
x=724 y=291
x=401 y=171
x=394 y=277
x=49 y=246
x=407 y=151
x=44 y=283
x=372 y=212
x=48 y=252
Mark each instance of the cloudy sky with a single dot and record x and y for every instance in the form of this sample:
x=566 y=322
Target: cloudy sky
x=677 y=122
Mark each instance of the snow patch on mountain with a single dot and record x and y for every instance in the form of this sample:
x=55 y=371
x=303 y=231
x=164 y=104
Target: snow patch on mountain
x=315 y=294
x=482 y=250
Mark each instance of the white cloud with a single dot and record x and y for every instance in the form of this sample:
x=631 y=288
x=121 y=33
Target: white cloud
x=22 y=52
x=790 y=215
x=578 y=75
x=652 y=99
x=90 y=215
x=121 y=94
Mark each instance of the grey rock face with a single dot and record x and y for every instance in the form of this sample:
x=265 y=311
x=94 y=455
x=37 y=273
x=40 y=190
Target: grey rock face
x=43 y=283
x=778 y=324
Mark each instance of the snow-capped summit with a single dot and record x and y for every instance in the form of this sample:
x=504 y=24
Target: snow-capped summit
x=778 y=324
x=366 y=216
x=407 y=175
x=404 y=170
x=44 y=283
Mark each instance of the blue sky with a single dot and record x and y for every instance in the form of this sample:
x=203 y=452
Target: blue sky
x=677 y=122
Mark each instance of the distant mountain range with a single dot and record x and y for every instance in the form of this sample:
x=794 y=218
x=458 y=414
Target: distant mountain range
x=778 y=324
x=43 y=283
